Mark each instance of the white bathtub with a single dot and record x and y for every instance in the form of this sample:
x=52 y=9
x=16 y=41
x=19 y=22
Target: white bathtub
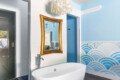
x=66 y=71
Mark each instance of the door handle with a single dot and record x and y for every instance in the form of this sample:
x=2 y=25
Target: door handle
x=69 y=29
x=13 y=44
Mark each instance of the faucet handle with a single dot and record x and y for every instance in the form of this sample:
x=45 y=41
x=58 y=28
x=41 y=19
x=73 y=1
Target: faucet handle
x=42 y=58
x=39 y=57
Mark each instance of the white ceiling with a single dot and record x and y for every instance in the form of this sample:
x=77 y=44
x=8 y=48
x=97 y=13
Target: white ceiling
x=82 y=1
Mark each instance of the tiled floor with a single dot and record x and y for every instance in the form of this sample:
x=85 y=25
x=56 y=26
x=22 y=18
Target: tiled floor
x=92 y=77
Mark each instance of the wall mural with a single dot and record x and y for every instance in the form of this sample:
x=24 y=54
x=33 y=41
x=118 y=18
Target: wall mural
x=103 y=57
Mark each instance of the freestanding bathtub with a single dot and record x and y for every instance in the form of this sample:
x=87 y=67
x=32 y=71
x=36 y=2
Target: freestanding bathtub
x=66 y=71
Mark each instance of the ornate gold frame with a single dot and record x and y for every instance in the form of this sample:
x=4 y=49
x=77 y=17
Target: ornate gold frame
x=43 y=52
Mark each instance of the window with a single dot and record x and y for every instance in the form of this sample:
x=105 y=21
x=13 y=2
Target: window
x=3 y=39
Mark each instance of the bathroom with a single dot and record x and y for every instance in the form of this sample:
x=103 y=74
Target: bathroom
x=79 y=42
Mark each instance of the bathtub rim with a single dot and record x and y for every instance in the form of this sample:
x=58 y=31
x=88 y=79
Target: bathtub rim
x=41 y=77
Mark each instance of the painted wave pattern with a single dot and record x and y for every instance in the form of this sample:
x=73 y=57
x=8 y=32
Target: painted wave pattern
x=97 y=61
x=86 y=48
x=94 y=54
x=96 y=66
x=86 y=59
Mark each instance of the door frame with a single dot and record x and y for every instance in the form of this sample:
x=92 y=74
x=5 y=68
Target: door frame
x=17 y=37
x=77 y=13
x=13 y=12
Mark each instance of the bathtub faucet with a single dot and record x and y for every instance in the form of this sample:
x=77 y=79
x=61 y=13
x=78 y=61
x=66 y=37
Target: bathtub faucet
x=42 y=58
x=38 y=60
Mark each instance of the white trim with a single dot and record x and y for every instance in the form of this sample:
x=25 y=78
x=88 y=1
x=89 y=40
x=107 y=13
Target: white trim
x=77 y=14
x=103 y=75
x=78 y=38
x=80 y=48
x=90 y=10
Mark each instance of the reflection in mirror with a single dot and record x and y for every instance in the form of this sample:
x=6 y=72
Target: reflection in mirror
x=51 y=35
x=3 y=39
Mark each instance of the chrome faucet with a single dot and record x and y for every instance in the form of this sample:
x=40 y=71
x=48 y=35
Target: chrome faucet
x=38 y=60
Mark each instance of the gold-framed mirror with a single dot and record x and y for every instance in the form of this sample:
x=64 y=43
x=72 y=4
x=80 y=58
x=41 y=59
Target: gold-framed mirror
x=51 y=35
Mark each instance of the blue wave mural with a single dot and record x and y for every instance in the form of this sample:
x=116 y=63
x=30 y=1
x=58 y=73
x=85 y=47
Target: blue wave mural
x=97 y=60
x=108 y=62
x=86 y=48
x=89 y=68
x=94 y=53
x=86 y=59
x=96 y=66
x=108 y=72
x=116 y=56
x=116 y=70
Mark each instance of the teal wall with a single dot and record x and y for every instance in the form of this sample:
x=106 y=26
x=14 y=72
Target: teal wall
x=103 y=25
x=75 y=5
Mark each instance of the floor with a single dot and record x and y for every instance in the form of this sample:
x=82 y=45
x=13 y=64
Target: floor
x=87 y=77
x=93 y=77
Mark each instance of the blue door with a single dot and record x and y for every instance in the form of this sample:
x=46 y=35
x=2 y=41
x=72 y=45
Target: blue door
x=71 y=39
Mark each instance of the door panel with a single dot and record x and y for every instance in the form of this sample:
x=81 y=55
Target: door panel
x=71 y=39
x=7 y=52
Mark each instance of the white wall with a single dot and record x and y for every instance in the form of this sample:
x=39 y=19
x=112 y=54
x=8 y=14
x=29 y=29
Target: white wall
x=39 y=7
x=21 y=9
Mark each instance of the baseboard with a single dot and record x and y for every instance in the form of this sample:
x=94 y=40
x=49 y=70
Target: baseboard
x=103 y=75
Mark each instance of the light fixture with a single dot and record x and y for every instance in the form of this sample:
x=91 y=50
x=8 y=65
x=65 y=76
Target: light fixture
x=61 y=7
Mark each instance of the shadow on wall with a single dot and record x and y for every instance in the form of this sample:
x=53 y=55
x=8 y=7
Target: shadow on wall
x=102 y=57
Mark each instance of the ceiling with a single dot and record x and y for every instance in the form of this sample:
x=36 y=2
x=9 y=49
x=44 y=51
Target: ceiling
x=82 y=1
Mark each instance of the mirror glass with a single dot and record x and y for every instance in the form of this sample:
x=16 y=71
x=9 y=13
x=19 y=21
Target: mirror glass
x=51 y=35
